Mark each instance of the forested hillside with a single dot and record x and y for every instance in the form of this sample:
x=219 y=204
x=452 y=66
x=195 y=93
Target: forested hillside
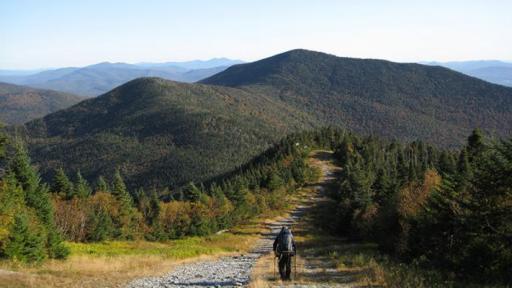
x=94 y=80
x=19 y=104
x=401 y=101
x=35 y=214
x=160 y=133
x=165 y=134
x=434 y=209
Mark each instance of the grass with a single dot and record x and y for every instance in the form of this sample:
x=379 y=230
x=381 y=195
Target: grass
x=113 y=263
x=177 y=249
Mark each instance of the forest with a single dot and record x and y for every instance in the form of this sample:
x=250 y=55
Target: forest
x=443 y=210
x=447 y=210
x=36 y=217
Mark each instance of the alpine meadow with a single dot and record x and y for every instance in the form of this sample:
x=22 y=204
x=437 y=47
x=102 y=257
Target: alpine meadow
x=299 y=168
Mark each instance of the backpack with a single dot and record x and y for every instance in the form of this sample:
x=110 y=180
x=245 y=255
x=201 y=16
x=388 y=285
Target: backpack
x=286 y=242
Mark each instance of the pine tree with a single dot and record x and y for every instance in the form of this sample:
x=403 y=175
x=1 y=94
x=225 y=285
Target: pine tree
x=126 y=221
x=464 y=170
x=154 y=208
x=274 y=181
x=56 y=248
x=191 y=192
x=475 y=144
x=12 y=202
x=82 y=188
x=62 y=185
x=382 y=187
x=446 y=163
x=120 y=192
x=101 y=185
x=36 y=197
x=36 y=193
x=24 y=244
x=102 y=226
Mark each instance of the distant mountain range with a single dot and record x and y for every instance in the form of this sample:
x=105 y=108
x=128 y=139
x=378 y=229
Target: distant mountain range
x=19 y=104
x=493 y=71
x=195 y=64
x=100 y=78
x=163 y=133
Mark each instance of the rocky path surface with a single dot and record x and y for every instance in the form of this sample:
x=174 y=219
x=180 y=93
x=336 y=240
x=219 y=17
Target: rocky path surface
x=312 y=271
x=230 y=271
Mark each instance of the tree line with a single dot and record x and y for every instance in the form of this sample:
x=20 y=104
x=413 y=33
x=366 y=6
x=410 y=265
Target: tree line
x=448 y=210
x=442 y=209
x=37 y=217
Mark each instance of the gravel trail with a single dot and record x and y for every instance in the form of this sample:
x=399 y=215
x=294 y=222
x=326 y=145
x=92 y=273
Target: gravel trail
x=229 y=271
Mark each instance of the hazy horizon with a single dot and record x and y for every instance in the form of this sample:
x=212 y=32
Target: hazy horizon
x=54 y=34
x=36 y=69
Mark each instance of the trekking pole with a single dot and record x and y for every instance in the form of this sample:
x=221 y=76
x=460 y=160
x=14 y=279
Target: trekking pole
x=295 y=266
x=274 y=267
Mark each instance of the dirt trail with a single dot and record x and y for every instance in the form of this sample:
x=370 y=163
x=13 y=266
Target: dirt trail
x=234 y=271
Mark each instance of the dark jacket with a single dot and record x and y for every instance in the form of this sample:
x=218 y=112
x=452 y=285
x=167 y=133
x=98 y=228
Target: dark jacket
x=278 y=240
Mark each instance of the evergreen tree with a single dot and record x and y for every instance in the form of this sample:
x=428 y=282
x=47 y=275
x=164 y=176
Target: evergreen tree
x=36 y=193
x=191 y=192
x=446 y=163
x=120 y=192
x=12 y=202
x=102 y=226
x=464 y=170
x=102 y=185
x=475 y=145
x=25 y=244
x=382 y=186
x=154 y=208
x=36 y=197
x=274 y=181
x=127 y=213
x=82 y=188
x=56 y=248
x=62 y=185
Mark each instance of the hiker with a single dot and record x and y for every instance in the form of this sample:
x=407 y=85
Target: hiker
x=284 y=249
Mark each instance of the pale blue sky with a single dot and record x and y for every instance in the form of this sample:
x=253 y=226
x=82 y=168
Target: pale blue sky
x=57 y=33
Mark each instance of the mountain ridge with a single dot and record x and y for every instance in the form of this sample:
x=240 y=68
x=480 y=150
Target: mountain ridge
x=19 y=104
x=416 y=100
x=99 y=78
x=160 y=132
x=166 y=133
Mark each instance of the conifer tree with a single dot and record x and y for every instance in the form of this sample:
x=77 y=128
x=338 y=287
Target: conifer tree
x=191 y=192
x=25 y=244
x=82 y=188
x=154 y=207
x=464 y=170
x=102 y=226
x=446 y=163
x=12 y=202
x=36 y=197
x=126 y=222
x=120 y=192
x=475 y=144
x=36 y=193
x=61 y=184
x=102 y=185
x=274 y=181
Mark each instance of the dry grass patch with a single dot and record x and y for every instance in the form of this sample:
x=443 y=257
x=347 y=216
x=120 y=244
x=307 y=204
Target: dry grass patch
x=112 y=264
